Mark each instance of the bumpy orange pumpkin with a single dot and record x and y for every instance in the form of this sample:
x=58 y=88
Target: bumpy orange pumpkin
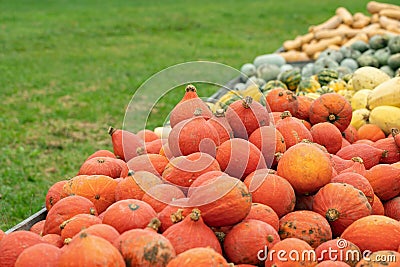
x=102 y=153
x=303 y=107
x=292 y=130
x=384 y=230
x=392 y=208
x=199 y=257
x=160 y=195
x=332 y=108
x=272 y=190
x=327 y=135
x=39 y=255
x=305 y=225
x=37 y=228
x=339 y=250
x=153 y=163
x=147 y=135
x=101 y=166
x=393 y=151
x=74 y=225
x=54 y=194
x=135 y=185
x=104 y=231
x=280 y=99
x=377 y=207
x=221 y=125
x=306 y=168
x=263 y=213
x=257 y=233
x=385 y=180
x=90 y=250
x=53 y=239
x=341 y=204
x=350 y=134
x=358 y=181
x=125 y=143
x=173 y=213
x=369 y=154
x=357 y=167
x=371 y=132
x=245 y=116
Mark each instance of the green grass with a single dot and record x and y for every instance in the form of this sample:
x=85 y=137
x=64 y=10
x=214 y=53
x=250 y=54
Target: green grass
x=68 y=70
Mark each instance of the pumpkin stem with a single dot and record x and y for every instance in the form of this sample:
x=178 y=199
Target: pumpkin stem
x=190 y=88
x=332 y=118
x=154 y=224
x=177 y=216
x=247 y=101
x=195 y=215
x=131 y=172
x=332 y=215
x=92 y=211
x=101 y=160
x=198 y=112
x=357 y=159
x=278 y=156
x=111 y=130
x=271 y=171
x=395 y=131
x=133 y=206
x=220 y=113
x=286 y=114
x=68 y=240
x=385 y=154
x=83 y=235
x=220 y=236
x=140 y=151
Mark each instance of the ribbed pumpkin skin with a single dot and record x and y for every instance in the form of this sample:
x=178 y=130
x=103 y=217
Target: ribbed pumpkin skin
x=385 y=180
x=305 y=225
x=369 y=154
x=13 y=244
x=54 y=194
x=263 y=213
x=272 y=190
x=39 y=255
x=341 y=251
x=384 y=258
x=104 y=231
x=200 y=257
x=269 y=141
x=341 y=204
x=65 y=209
x=153 y=163
x=74 y=225
x=257 y=233
x=135 y=185
x=386 y=233
x=184 y=170
x=193 y=135
x=223 y=202
x=392 y=208
x=327 y=135
x=144 y=248
x=377 y=207
x=303 y=109
x=159 y=196
x=358 y=181
x=238 y=158
x=307 y=175
x=293 y=130
x=191 y=232
x=128 y=214
x=333 y=108
x=290 y=246
x=245 y=116
x=99 y=189
x=280 y=99
x=90 y=250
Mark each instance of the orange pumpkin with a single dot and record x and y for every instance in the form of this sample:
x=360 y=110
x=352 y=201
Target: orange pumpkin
x=14 y=243
x=144 y=247
x=221 y=125
x=358 y=181
x=303 y=107
x=147 y=135
x=54 y=194
x=101 y=166
x=184 y=170
x=305 y=225
x=377 y=207
x=101 y=153
x=128 y=214
x=344 y=143
x=187 y=106
x=369 y=154
x=153 y=163
x=364 y=141
x=307 y=175
x=99 y=189
x=193 y=135
x=370 y=132
x=270 y=189
x=135 y=185
x=339 y=250
x=74 y=225
x=39 y=255
x=173 y=213
x=290 y=254
x=102 y=230
x=383 y=258
x=329 y=263
x=37 y=227
x=292 y=130
x=341 y=204
x=125 y=143
x=160 y=195
x=385 y=180
x=257 y=233
x=384 y=230
x=393 y=151
x=90 y=250
x=396 y=136
x=327 y=135
x=205 y=179
x=392 y=208
x=263 y=213
x=340 y=164
x=280 y=99
x=245 y=116
x=350 y=134
x=333 y=108
x=269 y=141
x=53 y=239
x=153 y=147
x=238 y=157
x=199 y=257
x=357 y=167
x=65 y=209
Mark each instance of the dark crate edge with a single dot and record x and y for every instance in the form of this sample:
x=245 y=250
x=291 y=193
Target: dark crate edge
x=28 y=222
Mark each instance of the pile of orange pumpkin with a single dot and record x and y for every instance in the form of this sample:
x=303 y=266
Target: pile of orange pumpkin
x=227 y=189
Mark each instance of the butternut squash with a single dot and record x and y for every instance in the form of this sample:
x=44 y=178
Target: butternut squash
x=322 y=45
x=331 y=23
x=375 y=7
x=344 y=15
x=390 y=13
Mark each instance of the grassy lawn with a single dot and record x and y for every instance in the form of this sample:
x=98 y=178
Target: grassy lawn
x=68 y=70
